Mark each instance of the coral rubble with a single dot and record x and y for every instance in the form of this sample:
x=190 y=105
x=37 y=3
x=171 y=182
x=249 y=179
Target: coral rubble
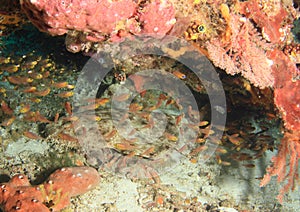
x=53 y=195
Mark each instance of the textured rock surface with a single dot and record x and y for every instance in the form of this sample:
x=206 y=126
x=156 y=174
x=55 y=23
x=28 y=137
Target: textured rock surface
x=52 y=195
x=100 y=20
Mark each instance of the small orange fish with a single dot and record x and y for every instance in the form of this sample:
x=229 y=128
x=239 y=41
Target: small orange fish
x=41 y=118
x=193 y=160
x=130 y=155
x=179 y=75
x=56 y=117
x=130 y=140
x=60 y=84
x=143 y=93
x=8 y=121
x=46 y=74
x=234 y=139
x=178 y=105
x=48 y=65
x=12 y=68
x=170 y=102
x=124 y=146
x=3 y=91
x=151 y=108
x=35 y=100
x=218 y=158
x=29 y=65
x=70 y=86
x=31 y=135
x=30 y=89
x=88 y=107
x=92 y=106
x=36 y=76
x=5 y=60
x=221 y=150
x=271 y=116
x=5 y=108
x=19 y=80
x=152 y=174
x=110 y=134
x=101 y=102
x=150 y=120
x=67 y=137
x=43 y=62
x=241 y=156
x=134 y=107
x=225 y=163
x=68 y=108
x=25 y=108
x=203 y=123
x=91 y=117
x=170 y=137
x=65 y=94
x=159 y=103
x=30 y=116
x=148 y=151
x=178 y=119
x=200 y=140
x=207 y=131
x=163 y=96
x=44 y=92
x=198 y=149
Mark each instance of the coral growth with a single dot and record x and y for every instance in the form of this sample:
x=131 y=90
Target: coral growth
x=162 y=18
x=270 y=17
x=94 y=21
x=243 y=46
x=257 y=43
x=287 y=98
x=252 y=45
x=286 y=89
x=289 y=150
x=93 y=17
x=52 y=195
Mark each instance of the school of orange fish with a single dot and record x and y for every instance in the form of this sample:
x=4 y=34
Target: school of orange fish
x=36 y=80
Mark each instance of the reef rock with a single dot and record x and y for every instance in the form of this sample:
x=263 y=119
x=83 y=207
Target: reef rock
x=53 y=195
x=95 y=21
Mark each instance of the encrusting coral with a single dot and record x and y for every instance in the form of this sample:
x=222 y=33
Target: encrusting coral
x=287 y=98
x=95 y=21
x=53 y=195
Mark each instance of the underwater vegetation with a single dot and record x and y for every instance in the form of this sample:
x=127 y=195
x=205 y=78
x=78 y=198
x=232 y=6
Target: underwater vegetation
x=252 y=43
